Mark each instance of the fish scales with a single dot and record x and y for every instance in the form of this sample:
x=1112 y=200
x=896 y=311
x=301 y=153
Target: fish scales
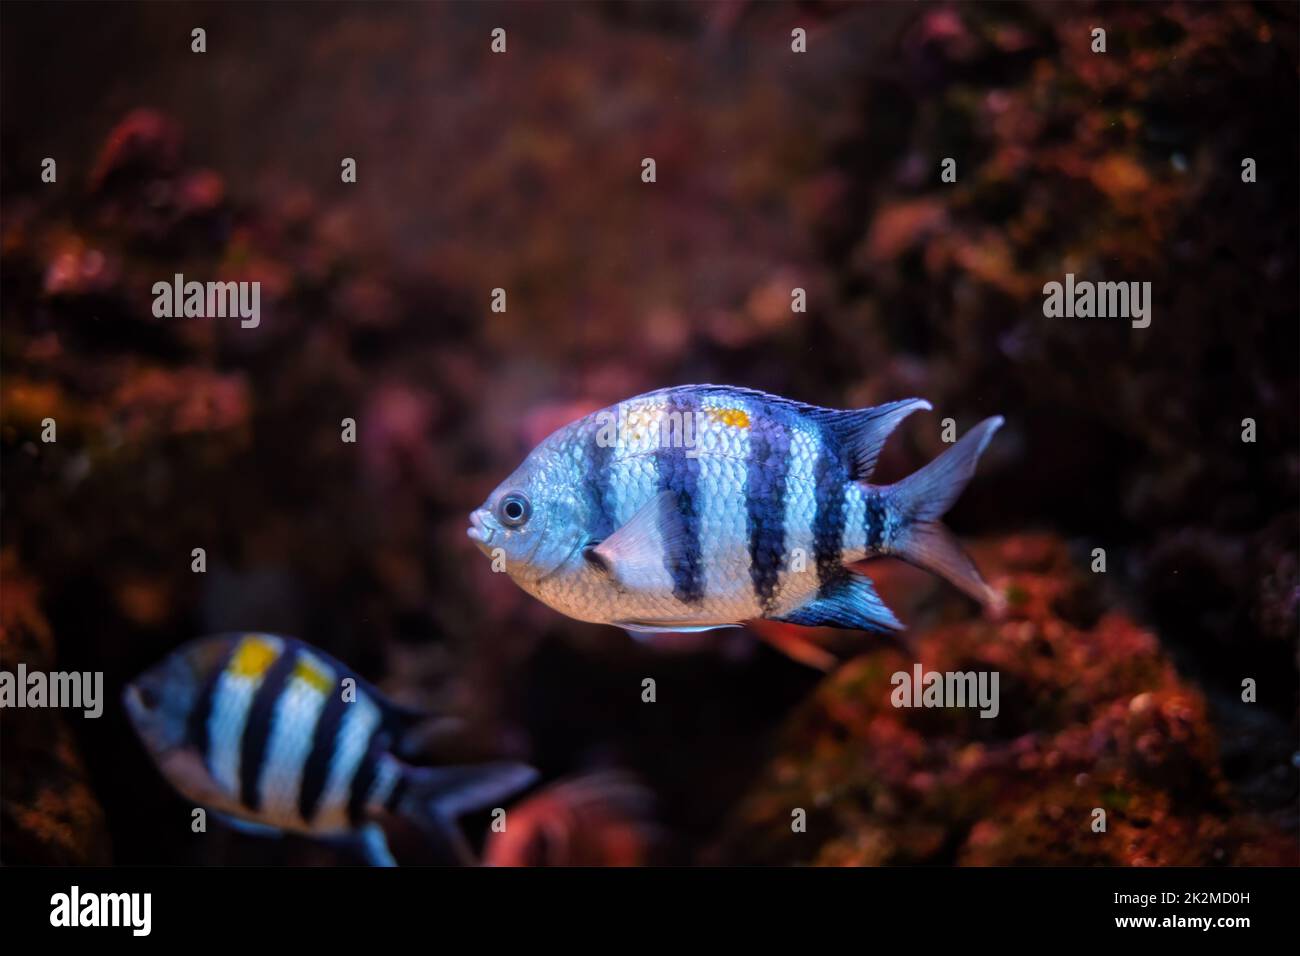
x=292 y=738
x=261 y=731
x=703 y=506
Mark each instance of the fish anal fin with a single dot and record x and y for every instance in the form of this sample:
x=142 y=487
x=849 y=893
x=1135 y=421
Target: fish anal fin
x=849 y=602
x=370 y=843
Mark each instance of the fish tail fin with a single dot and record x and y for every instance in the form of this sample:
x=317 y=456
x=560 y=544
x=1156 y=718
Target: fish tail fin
x=920 y=499
x=433 y=797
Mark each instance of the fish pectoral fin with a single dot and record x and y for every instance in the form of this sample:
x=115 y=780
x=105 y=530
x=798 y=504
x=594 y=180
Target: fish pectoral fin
x=633 y=556
x=248 y=827
x=639 y=628
x=850 y=602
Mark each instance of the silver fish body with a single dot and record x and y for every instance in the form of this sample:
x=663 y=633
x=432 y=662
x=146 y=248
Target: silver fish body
x=703 y=506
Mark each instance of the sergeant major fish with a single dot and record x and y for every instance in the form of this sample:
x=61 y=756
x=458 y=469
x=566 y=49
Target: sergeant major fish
x=702 y=506
x=259 y=729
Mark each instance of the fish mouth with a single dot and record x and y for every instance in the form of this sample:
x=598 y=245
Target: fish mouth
x=137 y=713
x=132 y=700
x=138 y=706
x=484 y=535
x=479 y=532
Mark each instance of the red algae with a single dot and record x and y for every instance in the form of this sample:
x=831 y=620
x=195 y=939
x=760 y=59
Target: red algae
x=1093 y=717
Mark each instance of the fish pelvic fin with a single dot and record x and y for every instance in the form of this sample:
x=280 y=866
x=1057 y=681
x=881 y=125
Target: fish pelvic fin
x=862 y=433
x=248 y=827
x=370 y=843
x=433 y=797
x=792 y=642
x=640 y=628
x=919 y=500
x=850 y=601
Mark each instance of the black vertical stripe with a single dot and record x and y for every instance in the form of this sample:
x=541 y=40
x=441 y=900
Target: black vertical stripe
x=398 y=793
x=315 y=773
x=766 y=473
x=595 y=482
x=258 y=729
x=828 y=524
x=364 y=778
x=874 y=520
x=201 y=712
x=680 y=474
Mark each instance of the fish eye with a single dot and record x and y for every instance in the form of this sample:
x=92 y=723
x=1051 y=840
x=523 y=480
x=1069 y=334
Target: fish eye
x=513 y=509
x=149 y=698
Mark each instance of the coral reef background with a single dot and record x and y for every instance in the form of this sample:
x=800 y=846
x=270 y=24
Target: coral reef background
x=775 y=170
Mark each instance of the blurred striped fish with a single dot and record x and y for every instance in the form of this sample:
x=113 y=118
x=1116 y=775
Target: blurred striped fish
x=599 y=819
x=703 y=506
x=273 y=735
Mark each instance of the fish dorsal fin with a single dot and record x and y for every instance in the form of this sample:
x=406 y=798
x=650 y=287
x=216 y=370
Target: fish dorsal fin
x=862 y=433
x=850 y=601
x=633 y=556
x=428 y=735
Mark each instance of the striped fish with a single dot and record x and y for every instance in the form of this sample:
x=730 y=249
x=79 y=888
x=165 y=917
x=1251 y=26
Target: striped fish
x=273 y=735
x=704 y=506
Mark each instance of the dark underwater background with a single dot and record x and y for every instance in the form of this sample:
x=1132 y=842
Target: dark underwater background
x=775 y=170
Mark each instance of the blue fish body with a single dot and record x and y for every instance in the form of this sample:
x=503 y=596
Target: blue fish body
x=704 y=506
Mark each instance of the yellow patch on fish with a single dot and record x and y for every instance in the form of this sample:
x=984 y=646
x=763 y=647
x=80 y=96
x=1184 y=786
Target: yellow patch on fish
x=735 y=417
x=253 y=656
x=313 y=675
x=640 y=422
